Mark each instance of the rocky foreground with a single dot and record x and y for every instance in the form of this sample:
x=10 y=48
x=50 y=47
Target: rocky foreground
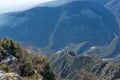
x=16 y=63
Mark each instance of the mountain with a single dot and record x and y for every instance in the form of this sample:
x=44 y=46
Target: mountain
x=102 y=2
x=114 y=7
x=65 y=26
x=62 y=40
x=74 y=67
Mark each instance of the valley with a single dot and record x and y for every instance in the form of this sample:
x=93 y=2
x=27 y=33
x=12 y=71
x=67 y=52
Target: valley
x=61 y=40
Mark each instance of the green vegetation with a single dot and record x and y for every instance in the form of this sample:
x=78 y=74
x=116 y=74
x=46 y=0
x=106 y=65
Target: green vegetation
x=30 y=66
x=9 y=46
x=33 y=66
x=6 y=68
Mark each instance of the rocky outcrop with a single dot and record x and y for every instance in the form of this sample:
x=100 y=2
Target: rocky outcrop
x=14 y=59
x=83 y=67
x=8 y=59
x=9 y=76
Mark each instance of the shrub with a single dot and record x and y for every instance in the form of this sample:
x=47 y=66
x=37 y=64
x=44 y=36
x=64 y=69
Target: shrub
x=6 y=68
x=28 y=64
x=9 y=46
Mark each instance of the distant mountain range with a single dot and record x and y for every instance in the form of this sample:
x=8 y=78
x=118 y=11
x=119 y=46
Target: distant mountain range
x=84 y=25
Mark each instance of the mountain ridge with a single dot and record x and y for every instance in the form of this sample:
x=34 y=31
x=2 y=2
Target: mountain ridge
x=74 y=67
x=80 y=21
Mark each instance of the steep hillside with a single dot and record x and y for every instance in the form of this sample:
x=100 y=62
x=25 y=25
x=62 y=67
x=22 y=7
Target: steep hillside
x=73 y=67
x=54 y=28
x=17 y=64
x=114 y=7
x=84 y=21
x=110 y=50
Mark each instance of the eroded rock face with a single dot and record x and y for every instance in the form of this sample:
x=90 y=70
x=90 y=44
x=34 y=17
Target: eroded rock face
x=9 y=76
x=69 y=66
x=8 y=59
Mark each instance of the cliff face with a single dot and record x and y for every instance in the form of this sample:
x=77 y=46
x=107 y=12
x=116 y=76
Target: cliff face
x=83 y=67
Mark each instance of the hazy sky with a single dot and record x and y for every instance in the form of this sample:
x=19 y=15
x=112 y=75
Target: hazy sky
x=18 y=5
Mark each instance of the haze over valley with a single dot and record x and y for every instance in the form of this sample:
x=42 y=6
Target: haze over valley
x=80 y=39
